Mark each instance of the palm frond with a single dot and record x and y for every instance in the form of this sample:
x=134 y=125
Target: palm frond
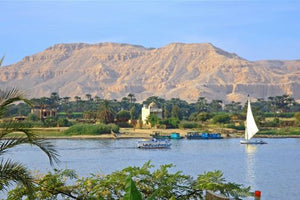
x=14 y=172
x=28 y=138
x=47 y=148
x=10 y=143
x=10 y=96
x=44 y=145
x=1 y=60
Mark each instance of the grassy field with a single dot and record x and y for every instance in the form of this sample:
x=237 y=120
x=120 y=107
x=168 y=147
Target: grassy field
x=281 y=131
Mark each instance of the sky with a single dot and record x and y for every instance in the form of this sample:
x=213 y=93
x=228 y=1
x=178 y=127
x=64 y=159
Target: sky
x=253 y=29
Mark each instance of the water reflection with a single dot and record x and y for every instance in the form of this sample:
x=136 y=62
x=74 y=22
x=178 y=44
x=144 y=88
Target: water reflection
x=250 y=164
x=250 y=149
x=258 y=166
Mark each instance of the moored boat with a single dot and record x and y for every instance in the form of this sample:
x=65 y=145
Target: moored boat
x=175 y=136
x=197 y=135
x=211 y=136
x=193 y=135
x=153 y=144
x=158 y=135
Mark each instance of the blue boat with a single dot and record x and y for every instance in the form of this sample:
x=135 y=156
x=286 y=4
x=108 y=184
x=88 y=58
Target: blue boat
x=193 y=135
x=175 y=136
x=197 y=135
x=211 y=136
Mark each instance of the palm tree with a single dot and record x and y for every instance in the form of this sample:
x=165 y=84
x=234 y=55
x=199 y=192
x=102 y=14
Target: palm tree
x=77 y=99
x=55 y=99
x=131 y=97
x=105 y=113
x=15 y=172
x=88 y=97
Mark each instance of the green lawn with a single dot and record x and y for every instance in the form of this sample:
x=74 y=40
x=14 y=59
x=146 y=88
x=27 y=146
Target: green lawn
x=281 y=131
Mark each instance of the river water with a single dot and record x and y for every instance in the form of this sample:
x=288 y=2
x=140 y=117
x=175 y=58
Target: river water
x=274 y=168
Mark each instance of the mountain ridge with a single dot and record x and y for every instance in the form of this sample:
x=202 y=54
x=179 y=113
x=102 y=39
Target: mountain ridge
x=179 y=70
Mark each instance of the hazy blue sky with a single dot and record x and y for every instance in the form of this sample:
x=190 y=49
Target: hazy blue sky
x=253 y=29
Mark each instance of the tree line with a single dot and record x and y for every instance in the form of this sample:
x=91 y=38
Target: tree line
x=174 y=110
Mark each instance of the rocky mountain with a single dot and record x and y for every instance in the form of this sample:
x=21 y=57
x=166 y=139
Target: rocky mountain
x=185 y=71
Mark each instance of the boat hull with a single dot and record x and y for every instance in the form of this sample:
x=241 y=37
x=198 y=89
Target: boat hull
x=204 y=136
x=176 y=136
x=252 y=142
x=156 y=144
x=159 y=136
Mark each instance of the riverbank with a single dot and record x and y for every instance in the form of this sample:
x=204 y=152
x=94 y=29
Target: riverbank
x=130 y=133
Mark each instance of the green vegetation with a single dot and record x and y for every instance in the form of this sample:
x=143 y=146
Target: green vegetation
x=297 y=118
x=188 y=125
x=131 y=183
x=91 y=129
x=11 y=171
x=281 y=131
x=276 y=112
x=221 y=119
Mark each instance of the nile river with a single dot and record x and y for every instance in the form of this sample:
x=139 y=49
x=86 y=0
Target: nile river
x=274 y=168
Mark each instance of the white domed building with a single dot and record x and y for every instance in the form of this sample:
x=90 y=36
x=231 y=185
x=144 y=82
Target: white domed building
x=151 y=109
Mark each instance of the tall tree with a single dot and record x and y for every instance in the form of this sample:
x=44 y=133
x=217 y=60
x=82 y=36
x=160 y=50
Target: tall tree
x=176 y=112
x=55 y=97
x=77 y=99
x=11 y=171
x=201 y=105
x=125 y=103
x=105 y=113
x=88 y=97
x=131 y=97
x=216 y=106
x=157 y=100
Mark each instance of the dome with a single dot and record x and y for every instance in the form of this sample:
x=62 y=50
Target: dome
x=152 y=105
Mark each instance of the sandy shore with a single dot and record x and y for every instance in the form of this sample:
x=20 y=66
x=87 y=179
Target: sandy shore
x=129 y=133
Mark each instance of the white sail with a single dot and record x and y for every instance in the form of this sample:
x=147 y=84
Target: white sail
x=251 y=128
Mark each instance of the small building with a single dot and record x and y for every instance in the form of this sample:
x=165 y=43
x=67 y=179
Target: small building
x=44 y=113
x=151 y=109
x=19 y=118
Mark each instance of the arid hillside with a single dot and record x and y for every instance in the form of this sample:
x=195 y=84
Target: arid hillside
x=186 y=71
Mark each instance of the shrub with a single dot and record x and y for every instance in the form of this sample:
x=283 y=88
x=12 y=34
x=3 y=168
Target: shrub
x=50 y=122
x=24 y=124
x=131 y=183
x=123 y=116
x=170 y=122
x=282 y=115
x=124 y=125
x=240 y=127
x=73 y=115
x=33 y=117
x=221 y=118
x=274 y=123
x=153 y=120
x=203 y=116
x=188 y=125
x=63 y=122
x=91 y=129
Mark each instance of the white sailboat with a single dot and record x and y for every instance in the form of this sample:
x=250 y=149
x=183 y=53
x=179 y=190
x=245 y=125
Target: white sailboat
x=251 y=128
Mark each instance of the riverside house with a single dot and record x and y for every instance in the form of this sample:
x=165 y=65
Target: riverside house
x=151 y=109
